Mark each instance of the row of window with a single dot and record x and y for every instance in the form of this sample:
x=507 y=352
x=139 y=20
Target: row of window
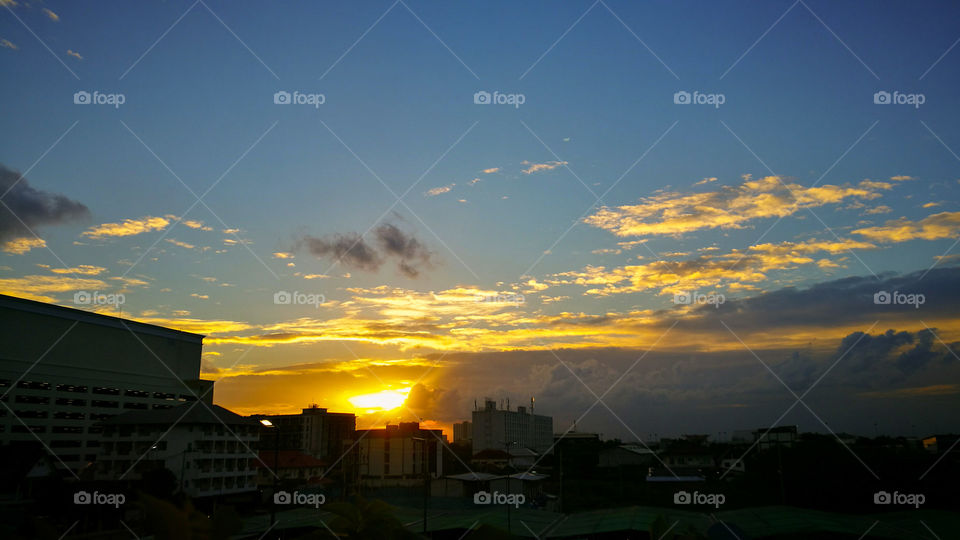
x=102 y=390
x=74 y=402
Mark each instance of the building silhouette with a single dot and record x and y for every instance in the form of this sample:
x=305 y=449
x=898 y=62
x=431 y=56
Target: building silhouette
x=500 y=428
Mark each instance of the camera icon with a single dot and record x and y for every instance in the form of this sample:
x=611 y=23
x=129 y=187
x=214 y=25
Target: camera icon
x=681 y=497
x=683 y=298
x=282 y=497
x=882 y=298
x=481 y=98
x=681 y=98
x=282 y=297
x=81 y=98
x=82 y=297
x=81 y=497
x=281 y=97
x=881 y=98
x=881 y=497
x=482 y=497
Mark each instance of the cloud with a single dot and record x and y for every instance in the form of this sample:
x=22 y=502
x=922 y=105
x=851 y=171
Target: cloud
x=433 y=192
x=53 y=16
x=19 y=246
x=706 y=181
x=41 y=288
x=26 y=208
x=195 y=224
x=537 y=167
x=389 y=242
x=82 y=270
x=933 y=227
x=74 y=54
x=178 y=243
x=729 y=207
x=491 y=170
x=282 y=255
x=7 y=44
x=128 y=227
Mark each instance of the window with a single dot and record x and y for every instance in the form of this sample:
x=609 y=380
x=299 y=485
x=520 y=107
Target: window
x=62 y=415
x=31 y=414
x=136 y=406
x=32 y=399
x=71 y=388
x=103 y=403
x=137 y=393
x=34 y=385
x=105 y=390
x=72 y=401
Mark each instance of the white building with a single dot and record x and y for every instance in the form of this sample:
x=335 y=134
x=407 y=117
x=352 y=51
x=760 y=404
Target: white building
x=208 y=448
x=63 y=370
x=398 y=455
x=500 y=429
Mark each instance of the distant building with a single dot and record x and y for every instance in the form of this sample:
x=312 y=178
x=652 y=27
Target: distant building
x=397 y=455
x=209 y=450
x=627 y=455
x=496 y=428
x=775 y=436
x=63 y=370
x=291 y=467
x=314 y=431
x=463 y=432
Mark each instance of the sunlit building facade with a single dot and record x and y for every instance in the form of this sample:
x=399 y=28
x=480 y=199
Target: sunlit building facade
x=500 y=429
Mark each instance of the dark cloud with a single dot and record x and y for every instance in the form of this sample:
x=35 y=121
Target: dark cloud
x=32 y=206
x=354 y=251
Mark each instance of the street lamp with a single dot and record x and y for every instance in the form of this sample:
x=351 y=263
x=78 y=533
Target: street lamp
x=276 y=458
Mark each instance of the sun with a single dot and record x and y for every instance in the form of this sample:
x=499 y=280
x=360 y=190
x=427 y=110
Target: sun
x=383 y=400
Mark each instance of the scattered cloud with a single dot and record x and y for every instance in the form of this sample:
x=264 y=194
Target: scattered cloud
x=82 y=270
x=389 y=242
x=19 y=246
x=74 y=54
x=179 y=243
x=537 y=167
x=933 y=227
x=491 y=170
x=433 y=192
x=7 y=44
x=128 y=227
x=51 y=15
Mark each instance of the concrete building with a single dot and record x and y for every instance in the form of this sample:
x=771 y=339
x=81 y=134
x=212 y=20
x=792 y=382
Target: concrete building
x=209 y=450
x=500 y=428
x=314 y=431
x=397 y=455
x=463 y=432
x=291 y=467
x=63 y=370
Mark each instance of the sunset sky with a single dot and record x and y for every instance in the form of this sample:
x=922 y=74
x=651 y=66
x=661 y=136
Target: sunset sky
x=449 y=250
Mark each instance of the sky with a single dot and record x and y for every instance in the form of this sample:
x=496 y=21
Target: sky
x=655 y=218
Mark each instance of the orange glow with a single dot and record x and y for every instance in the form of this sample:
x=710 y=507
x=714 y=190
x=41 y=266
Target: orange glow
x=384 y=400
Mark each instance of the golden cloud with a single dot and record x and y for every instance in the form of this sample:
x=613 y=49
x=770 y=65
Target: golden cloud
x=128 y=227
x=933 y=227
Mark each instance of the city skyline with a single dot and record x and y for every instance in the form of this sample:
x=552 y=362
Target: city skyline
x=661 y=218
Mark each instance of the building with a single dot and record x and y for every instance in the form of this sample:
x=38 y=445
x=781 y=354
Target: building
x=397 y=455
x=766 y=438
x=463 y=432
x=207 y=448
x=314 y=431
x=63 y=370
x=290 y=468
x=499 y=428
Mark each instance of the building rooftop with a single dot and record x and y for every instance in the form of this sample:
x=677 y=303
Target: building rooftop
x=188 y=413
x=89 y=317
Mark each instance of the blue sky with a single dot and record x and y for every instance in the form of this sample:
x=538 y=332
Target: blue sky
x=598 y=118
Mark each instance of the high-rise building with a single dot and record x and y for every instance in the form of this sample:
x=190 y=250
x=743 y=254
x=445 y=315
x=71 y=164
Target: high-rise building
x=500 y=429
x=64 y=370
x=314 y=431
x=463 y=432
